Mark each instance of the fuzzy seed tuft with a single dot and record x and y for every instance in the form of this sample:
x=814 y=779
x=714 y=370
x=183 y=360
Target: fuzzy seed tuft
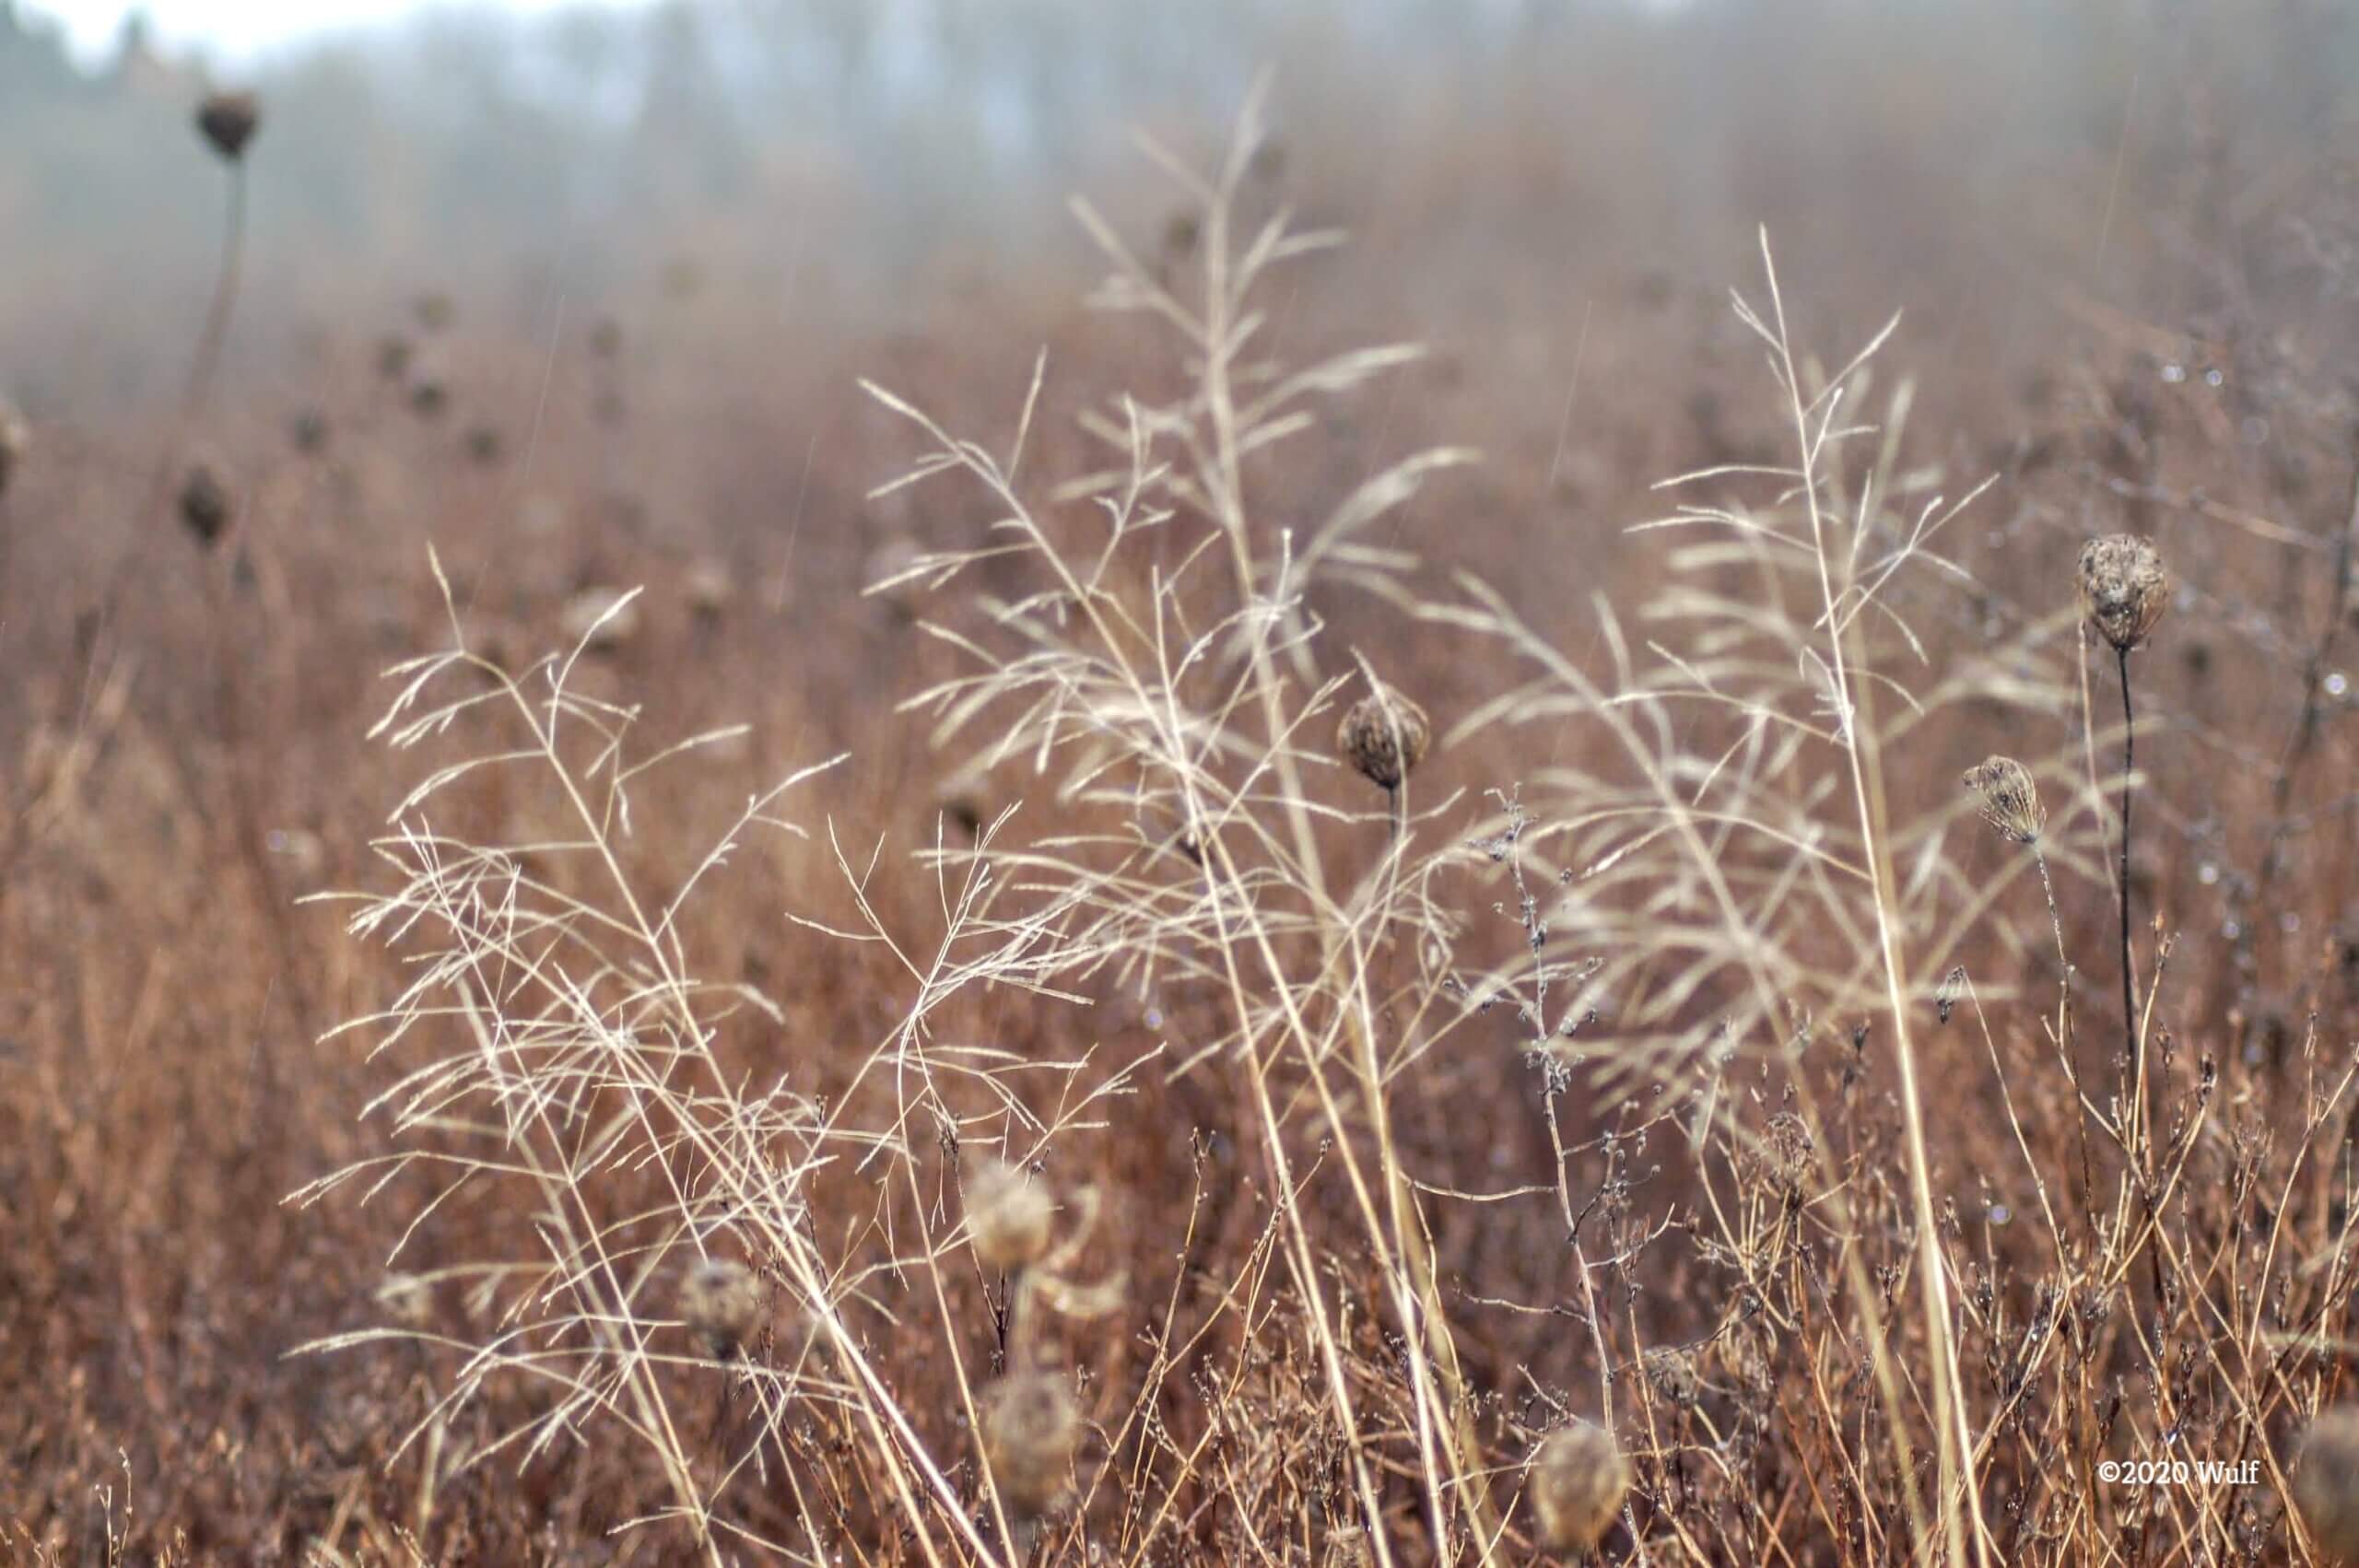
x=1031 y=1430
x=1008 y=1215
x=1578 y=1480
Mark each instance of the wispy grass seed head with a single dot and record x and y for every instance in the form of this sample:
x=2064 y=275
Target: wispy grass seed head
x=1578 y=1480
x=1384 y=736
x=2010 y=798
x=2124 y=589
x=1030 y=1429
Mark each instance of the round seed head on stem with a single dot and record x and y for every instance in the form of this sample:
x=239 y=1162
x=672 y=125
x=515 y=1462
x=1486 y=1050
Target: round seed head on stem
x=229 y=119
x=1008 y=1215
x=2325 y=1483
x=720 y=1298
x=2123 y=587
x=2010 y=798
x=1384 y=736
x=205 y=506
x=1029 y=1430
x=1578 y=1480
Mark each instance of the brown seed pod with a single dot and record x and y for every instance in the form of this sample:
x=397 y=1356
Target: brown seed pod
x=1029 y=1430
x=205 y=506
x=2124 y=589
x=228 y=120
x=1578 y=1480
x=2010 y=798
x=720 y=1298
x=13 y=441
x=2325 y=1483
x=1008 y=1215
x=1384 y=735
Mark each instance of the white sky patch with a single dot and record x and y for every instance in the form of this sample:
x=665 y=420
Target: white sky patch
x=235 y=31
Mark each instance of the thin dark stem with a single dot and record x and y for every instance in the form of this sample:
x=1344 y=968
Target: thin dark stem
x=2129 y=762
x=192 y=397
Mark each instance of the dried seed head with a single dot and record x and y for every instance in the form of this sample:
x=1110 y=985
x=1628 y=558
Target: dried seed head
x=406 y=1298
x=2010 y=798
x=204 y=504
x=1008 y=1215
x=14 y=439
x=393 y=357
x=309 y=431
x=720 y=1298
x=1673 y=1375
x=1384 y=735
x=1946 y=994
x=2325 y=1483
x=2123 y=589
x=1031 y=1430
x=228 y=120
x=1578 y=1480
x=428 y=395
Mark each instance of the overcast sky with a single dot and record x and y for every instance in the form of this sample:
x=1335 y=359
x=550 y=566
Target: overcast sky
x=231 y=29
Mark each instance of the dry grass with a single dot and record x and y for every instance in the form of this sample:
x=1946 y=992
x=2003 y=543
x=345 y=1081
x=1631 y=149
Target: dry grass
x=1191 y=1021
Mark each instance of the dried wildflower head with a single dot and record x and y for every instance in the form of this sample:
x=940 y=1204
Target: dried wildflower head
x=393 y=357
x=720 y=1298
x=14 y=439
x=228 y=120
x=2010 y=798
x=1578 y=1480
x=406 y=1298
x=1384 y=735
x=2325 y=1483
x=1031 y=1430
x=204 y=504
x=1672 y=1373
x=1008 y=1215
x=309 y=431
x=430 y=394
x=2123 y=589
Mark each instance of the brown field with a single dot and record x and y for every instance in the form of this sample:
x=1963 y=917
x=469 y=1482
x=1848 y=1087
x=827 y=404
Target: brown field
x=399 y=1015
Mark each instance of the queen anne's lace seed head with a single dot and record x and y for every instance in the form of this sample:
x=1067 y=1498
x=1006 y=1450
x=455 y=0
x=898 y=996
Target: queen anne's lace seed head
x=2124 y=589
